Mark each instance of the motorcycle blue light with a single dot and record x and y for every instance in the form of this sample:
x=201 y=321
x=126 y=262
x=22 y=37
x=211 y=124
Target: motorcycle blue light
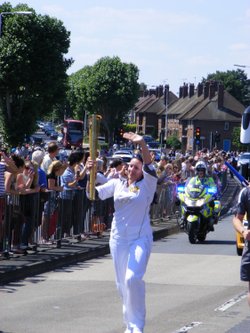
x=212 y=190
x=181 y=189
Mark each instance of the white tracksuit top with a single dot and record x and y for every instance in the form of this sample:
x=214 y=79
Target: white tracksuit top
x=131 y=218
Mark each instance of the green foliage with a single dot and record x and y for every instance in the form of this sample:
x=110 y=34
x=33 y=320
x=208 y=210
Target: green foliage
x=129 y=128
x=235 y=82
x=173 y=141
x=108 y=88
x=33 y=75
x=237 y=145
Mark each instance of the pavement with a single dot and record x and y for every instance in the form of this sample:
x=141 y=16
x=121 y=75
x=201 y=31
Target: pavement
x=48 y=258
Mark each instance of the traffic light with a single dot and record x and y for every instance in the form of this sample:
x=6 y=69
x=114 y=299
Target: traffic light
x=121 y=132
x=197 y=133
x=217 y=137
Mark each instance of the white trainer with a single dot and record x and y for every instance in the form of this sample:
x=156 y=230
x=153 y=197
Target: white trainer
x=137 y=330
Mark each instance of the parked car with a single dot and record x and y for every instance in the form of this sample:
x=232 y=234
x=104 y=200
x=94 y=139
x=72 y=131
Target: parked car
x=244 y=158
x=243 y=165
x=54 y=135
x=148 y=138
x=157 y=153
x=36 y=140
x=48 y=130
x=59 y=138
x=40 y=125
x=153 y=144
x=125 y=155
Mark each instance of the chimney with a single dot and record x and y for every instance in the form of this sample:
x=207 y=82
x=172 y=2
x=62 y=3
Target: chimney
x=212 y=89
x=157 y=91
x=166 y=94
x=181 y=92
x=160 y=90
x=216 y=83
x=191 y=90
x=220 y=96
x=206 y=90
x=151 y=92
x=199 y=89
x=185 y=90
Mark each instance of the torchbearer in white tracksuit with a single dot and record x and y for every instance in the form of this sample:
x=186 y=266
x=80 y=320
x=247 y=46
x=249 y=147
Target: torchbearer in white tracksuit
x=131 y=234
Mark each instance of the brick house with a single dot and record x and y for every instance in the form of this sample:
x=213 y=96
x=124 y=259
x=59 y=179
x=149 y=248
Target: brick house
x=209 y=107
x=150 y=111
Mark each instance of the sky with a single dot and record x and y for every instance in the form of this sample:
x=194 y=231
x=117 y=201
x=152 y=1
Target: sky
x=170 y=41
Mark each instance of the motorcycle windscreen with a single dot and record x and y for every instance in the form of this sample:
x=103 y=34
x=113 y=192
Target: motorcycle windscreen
x=195 y=191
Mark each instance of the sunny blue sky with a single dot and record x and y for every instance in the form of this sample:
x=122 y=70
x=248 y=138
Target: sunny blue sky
x=169 y=41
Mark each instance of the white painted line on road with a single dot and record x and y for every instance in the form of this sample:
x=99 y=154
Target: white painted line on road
x=231 y=302
x=188 y=327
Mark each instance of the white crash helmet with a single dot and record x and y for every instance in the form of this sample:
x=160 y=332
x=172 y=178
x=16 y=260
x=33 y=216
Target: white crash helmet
x=200 y=165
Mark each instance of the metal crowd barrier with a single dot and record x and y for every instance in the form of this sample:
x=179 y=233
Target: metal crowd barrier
x=49 y=218
x=164 y=206
x=223 y=180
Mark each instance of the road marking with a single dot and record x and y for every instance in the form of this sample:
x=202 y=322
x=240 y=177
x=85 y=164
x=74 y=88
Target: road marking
x=188 y=327
x=56 y=307
x=231 y=302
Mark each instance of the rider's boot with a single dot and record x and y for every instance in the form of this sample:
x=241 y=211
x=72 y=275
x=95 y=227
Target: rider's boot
x=211 y=224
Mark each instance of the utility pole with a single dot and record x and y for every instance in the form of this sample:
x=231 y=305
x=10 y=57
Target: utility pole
x=166 y=102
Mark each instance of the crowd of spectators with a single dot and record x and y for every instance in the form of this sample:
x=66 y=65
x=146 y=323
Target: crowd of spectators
x=36 y=170
x=177 y=169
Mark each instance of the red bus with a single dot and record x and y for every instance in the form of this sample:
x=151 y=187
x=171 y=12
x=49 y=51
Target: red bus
x=72 y=133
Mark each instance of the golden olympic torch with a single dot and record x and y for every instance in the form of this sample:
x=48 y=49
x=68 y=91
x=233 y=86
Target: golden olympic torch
x=94 y=126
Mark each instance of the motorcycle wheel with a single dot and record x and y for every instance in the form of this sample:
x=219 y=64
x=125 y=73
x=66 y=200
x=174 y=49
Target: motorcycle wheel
x=201 y=237
x=192 y=232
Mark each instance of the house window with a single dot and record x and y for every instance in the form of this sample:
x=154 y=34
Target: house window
x=226 y=126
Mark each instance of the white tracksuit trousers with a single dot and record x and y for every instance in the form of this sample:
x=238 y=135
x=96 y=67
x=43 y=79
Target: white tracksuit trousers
x=130 y=260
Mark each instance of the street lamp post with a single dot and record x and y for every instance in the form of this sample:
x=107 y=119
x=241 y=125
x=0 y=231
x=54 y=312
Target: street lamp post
x=248 y=82
x=242 y=66
x=11 y=13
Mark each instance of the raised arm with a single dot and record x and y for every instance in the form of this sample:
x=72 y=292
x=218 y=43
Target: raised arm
x=138 y=139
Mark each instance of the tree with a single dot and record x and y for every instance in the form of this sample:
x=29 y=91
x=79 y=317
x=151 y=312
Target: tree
x=130 y=128
x=235 y=82
x=33 y=77
x=108 y=88
x=237 y=145
x=173 y=141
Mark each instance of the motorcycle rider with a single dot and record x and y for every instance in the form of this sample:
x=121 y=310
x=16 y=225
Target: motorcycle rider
x=202 y=178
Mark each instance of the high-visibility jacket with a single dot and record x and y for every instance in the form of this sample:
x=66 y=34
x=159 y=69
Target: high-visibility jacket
x=208 y=181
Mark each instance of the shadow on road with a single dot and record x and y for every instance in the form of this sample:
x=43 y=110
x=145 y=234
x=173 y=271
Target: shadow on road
x=217 y=242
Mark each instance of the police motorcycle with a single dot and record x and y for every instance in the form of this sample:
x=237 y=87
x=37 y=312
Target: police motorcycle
x=200 y=208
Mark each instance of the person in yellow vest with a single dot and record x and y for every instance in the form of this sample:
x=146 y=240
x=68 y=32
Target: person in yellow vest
x=202 y=178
